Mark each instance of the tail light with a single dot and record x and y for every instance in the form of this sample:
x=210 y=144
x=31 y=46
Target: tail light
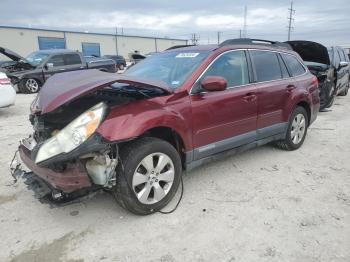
x=5 y=81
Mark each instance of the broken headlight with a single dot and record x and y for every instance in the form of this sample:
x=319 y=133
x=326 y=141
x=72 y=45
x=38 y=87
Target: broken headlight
x=73 y=135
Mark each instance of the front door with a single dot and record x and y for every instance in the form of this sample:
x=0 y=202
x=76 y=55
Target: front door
x=224 y=119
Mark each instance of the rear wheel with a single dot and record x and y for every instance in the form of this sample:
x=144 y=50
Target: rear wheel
x=148 y=175
x=327 y=96
x=29 y=86
x=121 y=67
x=296 y=132
x=345 y=91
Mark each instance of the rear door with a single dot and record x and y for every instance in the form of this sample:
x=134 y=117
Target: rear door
x=73 y=62
x=342 y=72
x=274 y=87
x=224 y=119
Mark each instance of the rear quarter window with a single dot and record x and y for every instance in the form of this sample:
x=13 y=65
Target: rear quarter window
x=72 y=59
x=294 y=66
x=266 y=65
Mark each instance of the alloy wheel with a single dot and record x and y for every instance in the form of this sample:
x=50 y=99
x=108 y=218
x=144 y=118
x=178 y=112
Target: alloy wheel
x=153 y=178
x=32 y=85
x=298 y=129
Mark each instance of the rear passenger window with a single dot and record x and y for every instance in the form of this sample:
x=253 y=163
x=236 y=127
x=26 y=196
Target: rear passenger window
x=56 y=60
x=72 y=59
x=232 y=66
x=266 y=65
x=284 y=70
x=293 y=64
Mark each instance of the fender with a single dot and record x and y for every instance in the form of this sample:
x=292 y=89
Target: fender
x=133 y=120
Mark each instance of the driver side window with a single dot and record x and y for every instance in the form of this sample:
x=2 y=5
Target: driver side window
x=232 y=66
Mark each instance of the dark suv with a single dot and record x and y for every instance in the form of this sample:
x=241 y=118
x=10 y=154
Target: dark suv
x=135 y=133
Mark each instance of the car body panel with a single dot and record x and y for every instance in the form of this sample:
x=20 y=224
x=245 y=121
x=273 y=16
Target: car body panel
x=65 y=87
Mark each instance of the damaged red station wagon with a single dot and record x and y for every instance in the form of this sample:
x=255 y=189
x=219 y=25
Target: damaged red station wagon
x=135 y=133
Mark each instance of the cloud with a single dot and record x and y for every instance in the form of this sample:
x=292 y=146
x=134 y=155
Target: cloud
x=314 y=19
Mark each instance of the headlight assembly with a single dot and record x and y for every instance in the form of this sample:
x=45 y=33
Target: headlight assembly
x=73 y=135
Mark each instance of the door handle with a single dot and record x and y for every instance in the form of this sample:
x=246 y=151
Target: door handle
x=249 y=97
x=290 y=88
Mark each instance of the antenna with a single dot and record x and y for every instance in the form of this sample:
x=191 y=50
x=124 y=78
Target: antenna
x=290 y=19
x=245 y=22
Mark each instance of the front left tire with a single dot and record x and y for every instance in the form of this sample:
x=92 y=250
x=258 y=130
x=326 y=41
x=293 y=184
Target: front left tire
x=29 y=86
x=148 y=175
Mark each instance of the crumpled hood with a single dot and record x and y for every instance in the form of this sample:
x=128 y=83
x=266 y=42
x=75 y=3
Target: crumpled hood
x=10 y=54
x=66 y=87
x=310 y=51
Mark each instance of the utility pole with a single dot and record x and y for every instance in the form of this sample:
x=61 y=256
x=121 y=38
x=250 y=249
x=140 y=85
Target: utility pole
x=116 y=40
x=245 y=22
x=290 y=19
x=219 y=33
x=194 y=39
x=240 y=33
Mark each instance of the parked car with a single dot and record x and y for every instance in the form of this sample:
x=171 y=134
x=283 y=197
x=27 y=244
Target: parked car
x=135 y=133
x=30 y=73
x=7 y=92
x=340 y=62
x=333 y=76
x=118 y=59
x=135 y=57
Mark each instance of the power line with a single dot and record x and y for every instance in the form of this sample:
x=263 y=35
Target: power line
x=290 y=19
x=194 y=39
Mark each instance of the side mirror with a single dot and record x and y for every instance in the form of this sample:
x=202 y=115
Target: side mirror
x=343 y=64
x=214 y=83
x=48 y=66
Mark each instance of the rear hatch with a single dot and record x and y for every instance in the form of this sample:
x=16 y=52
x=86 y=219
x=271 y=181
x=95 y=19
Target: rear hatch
x=310 y=51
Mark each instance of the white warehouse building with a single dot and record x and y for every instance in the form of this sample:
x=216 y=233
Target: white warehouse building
x=27 y=40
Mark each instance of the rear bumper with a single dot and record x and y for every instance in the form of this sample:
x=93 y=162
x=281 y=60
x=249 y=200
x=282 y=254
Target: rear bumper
x=73 y=178
x=8 y=96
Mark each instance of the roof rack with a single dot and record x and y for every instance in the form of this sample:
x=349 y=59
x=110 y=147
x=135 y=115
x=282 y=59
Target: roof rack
x=249 y=41
x=177 y=46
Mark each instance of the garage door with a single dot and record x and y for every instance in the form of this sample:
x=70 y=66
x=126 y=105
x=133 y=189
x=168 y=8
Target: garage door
x=91 y=49
x=51 y=43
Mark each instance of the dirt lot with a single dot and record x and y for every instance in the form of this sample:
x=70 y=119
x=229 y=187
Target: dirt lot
x=262 y=205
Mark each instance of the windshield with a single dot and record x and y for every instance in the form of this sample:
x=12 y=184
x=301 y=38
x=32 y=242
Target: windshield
x=36 y=58
x=173 y=68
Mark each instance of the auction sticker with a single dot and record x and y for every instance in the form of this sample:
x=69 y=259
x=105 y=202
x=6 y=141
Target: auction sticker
x=186 y=55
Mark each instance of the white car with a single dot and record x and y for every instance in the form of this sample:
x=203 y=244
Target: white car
x=7 y=92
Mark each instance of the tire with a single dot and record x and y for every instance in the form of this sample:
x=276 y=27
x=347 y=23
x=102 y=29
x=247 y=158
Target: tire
x=133 y=177
x=121 y=67
x=327 y=97
x=29 y=86
x=290 y=142
x=345 y=91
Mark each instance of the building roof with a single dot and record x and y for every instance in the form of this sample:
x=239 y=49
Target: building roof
x=88 y=33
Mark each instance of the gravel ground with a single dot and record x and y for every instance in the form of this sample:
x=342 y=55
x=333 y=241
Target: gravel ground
x=261 y=205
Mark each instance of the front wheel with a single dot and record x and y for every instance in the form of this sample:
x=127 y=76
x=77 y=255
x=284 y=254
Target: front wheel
x=296 y=132
x=121 y=67
x=29 y=86
x=148 y=175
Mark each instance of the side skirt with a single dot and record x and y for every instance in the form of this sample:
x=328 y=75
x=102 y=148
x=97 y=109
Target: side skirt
x=219 y=156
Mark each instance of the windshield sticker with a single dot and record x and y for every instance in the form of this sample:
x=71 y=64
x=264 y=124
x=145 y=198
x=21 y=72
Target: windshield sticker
x=186 y=55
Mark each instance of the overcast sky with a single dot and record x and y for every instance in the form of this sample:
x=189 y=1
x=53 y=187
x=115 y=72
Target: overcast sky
x=324 y=21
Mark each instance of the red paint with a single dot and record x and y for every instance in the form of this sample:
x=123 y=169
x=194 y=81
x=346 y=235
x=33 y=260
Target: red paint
x=205 y=118
x=73 y=178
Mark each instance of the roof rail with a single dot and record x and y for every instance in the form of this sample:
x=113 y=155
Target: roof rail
x=177 y=46
x=249 y=41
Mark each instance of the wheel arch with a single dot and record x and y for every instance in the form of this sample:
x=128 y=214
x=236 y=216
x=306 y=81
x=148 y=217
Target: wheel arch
x=307 y=108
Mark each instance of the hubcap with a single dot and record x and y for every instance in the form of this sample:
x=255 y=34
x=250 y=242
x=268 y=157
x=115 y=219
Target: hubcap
x=298 y=129
x=32 y=85
x=153 y=178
